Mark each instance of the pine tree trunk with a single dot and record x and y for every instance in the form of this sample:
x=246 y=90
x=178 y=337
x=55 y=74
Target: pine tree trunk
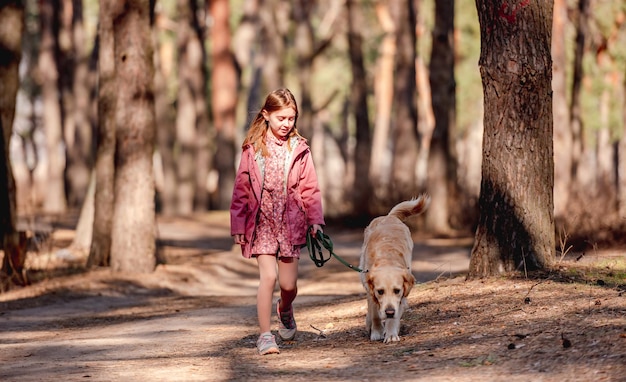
x=404 y=121
x=224 y=100
x=441 y=169
x=188 y=49
x=358 y=100
x=516 y=226
x=383 y=89
x=100 y=250
x=11 y=31
x=55 y=202
x=562 y=127
x=133 y=246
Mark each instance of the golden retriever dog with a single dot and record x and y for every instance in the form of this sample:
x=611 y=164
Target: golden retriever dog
x=386 y=269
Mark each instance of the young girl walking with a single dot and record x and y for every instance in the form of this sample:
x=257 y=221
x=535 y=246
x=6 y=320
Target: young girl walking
x=276 y=198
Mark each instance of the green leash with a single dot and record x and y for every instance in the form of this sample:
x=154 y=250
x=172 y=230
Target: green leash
x=316 y=253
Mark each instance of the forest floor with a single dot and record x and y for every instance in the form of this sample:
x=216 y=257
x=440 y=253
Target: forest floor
x=194 y=318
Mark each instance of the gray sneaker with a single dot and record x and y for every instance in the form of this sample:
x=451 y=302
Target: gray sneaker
x=286 y=323
x=266 y=344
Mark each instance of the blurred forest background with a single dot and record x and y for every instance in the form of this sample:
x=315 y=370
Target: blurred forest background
x=391 y=105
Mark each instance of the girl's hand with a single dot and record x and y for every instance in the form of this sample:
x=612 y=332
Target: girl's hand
x=240 y=238
x=315 y=228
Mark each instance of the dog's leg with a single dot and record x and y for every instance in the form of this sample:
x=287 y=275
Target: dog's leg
x=392 y=329
x=376 y=325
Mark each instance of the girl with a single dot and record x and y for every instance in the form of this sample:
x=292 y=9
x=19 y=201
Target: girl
x=275 y=199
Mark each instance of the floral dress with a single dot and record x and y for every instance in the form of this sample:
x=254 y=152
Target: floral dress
x=271 y=235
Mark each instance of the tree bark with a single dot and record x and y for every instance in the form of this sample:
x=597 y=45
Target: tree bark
x=224 y=100
x=577 y=77
x=621 y=163
x=204 y=134
x=272 y=36
x=165 y=114
x=133 y=246
x=441 y=169
x=55 y=201
x=383 y=91
x=516 y=225
x=404 y=121
x=100 y=250
x=562 y=127
x=190 y=58
x=74 y=86
x=358 y=100
x=11 y=31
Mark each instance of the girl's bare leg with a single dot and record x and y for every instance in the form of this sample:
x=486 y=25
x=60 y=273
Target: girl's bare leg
x=267 y=282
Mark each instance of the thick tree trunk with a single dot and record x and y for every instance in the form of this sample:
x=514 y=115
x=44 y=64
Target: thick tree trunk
x=11 y=242
x=224 y=100
x=405 y=135
x=361 y=190
x=133 y=246
x=100 y=251
x=516 y=226
x=441 y=169
x=55 y=191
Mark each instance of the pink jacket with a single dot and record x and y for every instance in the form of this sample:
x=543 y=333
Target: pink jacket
x=304 y=199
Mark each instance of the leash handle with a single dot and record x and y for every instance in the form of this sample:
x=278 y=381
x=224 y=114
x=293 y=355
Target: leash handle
x=316 y=252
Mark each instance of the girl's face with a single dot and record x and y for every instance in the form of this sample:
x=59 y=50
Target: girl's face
x=281 y=121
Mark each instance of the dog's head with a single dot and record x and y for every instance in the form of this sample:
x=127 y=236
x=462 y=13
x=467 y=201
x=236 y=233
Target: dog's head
x=387 y=287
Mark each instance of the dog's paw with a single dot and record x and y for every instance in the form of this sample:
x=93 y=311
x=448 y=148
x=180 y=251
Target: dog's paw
x=376 y=335
x=391 y=338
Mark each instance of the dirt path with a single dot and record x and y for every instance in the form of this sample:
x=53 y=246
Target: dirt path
x=194 y=319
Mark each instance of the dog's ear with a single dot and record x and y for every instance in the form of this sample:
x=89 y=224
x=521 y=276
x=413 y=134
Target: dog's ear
x=409 y=281
x=369 y=280
x=371 y=287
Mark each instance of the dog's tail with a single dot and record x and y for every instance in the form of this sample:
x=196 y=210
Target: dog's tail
x=411 y=207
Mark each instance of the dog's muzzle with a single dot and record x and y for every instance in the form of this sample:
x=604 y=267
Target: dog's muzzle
x=390 y=312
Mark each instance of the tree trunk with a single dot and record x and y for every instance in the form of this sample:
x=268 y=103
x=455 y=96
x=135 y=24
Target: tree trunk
x=516 y=226
x=11 y=30
x=404 y=120
x=358 y=100
x=247 y=39
x=77 y=129
x=133 y=246
x=165 y=125
x=204 y=142
x=577 y=77
x=383 y=89
x=100 y=251
x=562 y=127
x=55 y=202
x=189 y=50
x=224 y=100
x=441 y=169
x=272 y=48
x=621 y=163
